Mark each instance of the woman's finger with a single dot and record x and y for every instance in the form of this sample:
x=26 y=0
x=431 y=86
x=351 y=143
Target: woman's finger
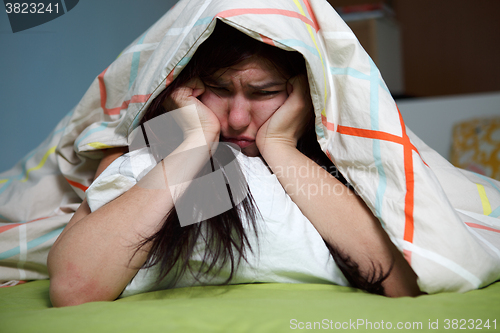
x=190 y=113
x=197 y=86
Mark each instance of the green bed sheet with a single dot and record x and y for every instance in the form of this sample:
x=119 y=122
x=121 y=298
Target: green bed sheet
x=266 y=307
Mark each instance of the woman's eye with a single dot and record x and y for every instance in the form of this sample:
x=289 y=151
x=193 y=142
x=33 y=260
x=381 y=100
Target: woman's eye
x=267 y=92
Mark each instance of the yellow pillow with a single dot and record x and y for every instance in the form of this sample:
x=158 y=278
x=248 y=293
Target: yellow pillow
x=476 y=146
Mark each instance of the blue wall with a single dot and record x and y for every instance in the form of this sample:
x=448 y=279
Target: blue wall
x=45 y=70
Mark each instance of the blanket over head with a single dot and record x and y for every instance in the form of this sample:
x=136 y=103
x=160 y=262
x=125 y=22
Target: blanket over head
x=444 y=220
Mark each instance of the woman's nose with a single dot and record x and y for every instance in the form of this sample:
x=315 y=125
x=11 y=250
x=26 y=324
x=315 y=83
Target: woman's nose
x=239 y=113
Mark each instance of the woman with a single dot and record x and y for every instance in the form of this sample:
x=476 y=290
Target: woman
x=254 y=96
x=425 y=205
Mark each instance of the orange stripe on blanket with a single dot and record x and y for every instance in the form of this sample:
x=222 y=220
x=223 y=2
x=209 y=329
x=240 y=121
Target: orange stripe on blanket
x=328 y=155
x=14 y=225
x=267 y=40
x=77 y=185
x=139 y=98
x=329 y=126
x=407 y=255
x=408 y=149
x=12 y=284
x=408 y=169
x=407 y=138
x=364 y=133
x=125 y=104
x=410 y=187
x=134 y=99
x=479 y=226
x=170 y=78
x=267 y=11
x=103 y=93
x=370 y=134
x=311 y=13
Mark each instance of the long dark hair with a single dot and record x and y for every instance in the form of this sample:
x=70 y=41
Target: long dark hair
x=225 y=240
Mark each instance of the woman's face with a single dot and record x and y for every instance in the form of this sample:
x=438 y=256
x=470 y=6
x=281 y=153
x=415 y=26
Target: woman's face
x=243 y=97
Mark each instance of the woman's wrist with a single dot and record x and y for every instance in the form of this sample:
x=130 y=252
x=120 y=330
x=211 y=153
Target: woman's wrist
x=270 y=146
x=200 y=138
x=204 y=143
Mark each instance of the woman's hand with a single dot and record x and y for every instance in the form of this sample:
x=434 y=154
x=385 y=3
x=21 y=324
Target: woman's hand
x=96 y=256
x=340 y=217
x=289 y=122
x=193 y=121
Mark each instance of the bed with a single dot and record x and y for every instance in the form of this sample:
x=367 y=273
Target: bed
x=266 y=307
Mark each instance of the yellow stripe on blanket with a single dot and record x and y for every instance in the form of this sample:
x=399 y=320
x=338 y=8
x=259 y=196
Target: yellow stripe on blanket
x=484 y=199
x=297 y=3
x=40 y=165
x=99 y=145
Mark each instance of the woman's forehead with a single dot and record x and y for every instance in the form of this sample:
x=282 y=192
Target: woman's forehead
x=254 y=68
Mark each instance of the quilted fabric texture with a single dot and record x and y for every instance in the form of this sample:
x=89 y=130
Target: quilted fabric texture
x=434 y=212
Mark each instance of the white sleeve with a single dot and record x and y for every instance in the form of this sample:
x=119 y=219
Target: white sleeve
x=119 y=177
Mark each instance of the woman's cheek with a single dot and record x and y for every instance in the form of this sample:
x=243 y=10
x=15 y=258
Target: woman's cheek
x=264 y=110
x=213 y=102
x=276 y=103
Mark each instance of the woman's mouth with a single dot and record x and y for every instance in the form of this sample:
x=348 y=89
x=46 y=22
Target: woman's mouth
x=240 y=141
